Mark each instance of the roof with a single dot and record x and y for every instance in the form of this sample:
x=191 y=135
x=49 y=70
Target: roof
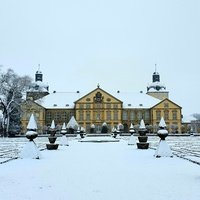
x=60 y=100
x=38 y=86
x=188 y=119
x=64 y=100
x=166 y=99
x=136 y=99
x=156 y=86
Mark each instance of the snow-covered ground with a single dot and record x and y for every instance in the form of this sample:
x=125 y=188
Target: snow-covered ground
x=94 y=171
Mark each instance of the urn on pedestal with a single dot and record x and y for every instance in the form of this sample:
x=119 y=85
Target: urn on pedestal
x=163 y=149
x=30 y=150
x=52 y=137
x=142 y=144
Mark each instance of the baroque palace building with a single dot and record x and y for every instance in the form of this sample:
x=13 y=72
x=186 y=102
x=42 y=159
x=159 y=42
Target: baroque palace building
x=99 y=106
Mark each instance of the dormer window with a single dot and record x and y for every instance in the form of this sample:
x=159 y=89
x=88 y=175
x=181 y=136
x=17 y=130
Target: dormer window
x=54 y=105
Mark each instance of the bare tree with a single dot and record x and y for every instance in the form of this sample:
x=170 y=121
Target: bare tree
x=11 y=96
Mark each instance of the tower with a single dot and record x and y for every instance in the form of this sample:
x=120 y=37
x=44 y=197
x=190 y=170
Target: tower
x=38 y=76
x=38 y=89
x=156 y=88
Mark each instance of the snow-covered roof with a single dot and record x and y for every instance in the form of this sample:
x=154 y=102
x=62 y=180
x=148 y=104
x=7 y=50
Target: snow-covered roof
x=188 y=119
x=64 y=100
x=136 y=99
x=60 y=100
x=157 y=87
x=38 y=86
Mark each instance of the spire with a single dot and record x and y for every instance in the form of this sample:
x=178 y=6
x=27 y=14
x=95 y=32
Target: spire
x=38 y=67
x=38 y=75
x=156 y=76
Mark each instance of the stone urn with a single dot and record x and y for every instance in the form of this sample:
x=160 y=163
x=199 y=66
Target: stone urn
x=31 y=134
x=52 y=138
x=142 y=144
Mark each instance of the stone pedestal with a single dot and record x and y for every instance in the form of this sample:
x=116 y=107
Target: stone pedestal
x=52 y=138
x=163 y=149
x=142 y=144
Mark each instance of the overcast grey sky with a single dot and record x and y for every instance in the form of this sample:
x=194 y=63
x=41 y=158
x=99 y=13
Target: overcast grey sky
x=115 y=43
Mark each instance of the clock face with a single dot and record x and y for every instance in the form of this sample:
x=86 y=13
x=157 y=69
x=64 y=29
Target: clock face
x=98 y=97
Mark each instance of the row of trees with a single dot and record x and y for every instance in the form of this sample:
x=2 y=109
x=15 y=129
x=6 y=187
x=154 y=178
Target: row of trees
x=12 y=90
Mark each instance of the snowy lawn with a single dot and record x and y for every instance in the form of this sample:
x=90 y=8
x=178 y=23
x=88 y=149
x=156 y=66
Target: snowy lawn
x=91 y=171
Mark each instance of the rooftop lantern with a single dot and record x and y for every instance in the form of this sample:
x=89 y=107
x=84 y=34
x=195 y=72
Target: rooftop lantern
x=142 y=144
x=30 y=150
x=52 y=137
x=163 y=149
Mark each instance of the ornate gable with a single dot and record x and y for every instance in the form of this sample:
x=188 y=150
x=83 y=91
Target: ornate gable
x=98 y=96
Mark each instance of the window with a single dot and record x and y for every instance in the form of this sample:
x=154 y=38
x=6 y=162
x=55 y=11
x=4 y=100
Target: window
x=64 y=116
x=125 y=115
x=57 y=116
x=98 y=116
x=88 y=106
x=158 y=115
x=49 y=116
x=81 y=105
x=115 y=115
x=139 y=115
x=108 y=115
x=98 y=105
x=147 y=115
x=108 y=105
x=88 y=115
x=81 y=116
x=132 y=115
x=166 y=115
x=115 y=106
x=174 y=115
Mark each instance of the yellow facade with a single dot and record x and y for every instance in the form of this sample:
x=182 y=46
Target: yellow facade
x=98 y=107
x=29 y=107
x=170 y=111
